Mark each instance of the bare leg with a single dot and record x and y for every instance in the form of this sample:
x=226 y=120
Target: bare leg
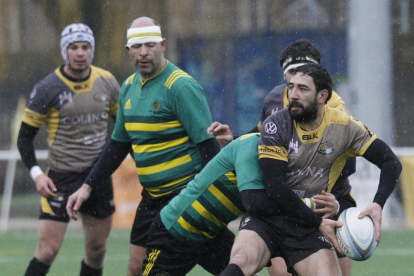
x=51 y=234
x=96 y=232
x=278 y=268
x=136 y=258
x=249 y=252
x=323 y=262
x=346 y=266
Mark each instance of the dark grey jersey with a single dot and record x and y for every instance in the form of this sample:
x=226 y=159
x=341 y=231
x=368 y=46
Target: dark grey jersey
x=76 y=116
x=315 y=158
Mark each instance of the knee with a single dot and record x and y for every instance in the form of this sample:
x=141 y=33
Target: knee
x=47 y=254
x=241 y=260
x=96 y=250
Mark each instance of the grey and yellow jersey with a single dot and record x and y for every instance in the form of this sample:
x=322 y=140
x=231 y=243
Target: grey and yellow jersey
x=315 y=158
x=277 y=99
x=76 y=116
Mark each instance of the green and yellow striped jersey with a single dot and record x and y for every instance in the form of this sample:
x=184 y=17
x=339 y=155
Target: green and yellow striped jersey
x=164 y=118
x=212 y=199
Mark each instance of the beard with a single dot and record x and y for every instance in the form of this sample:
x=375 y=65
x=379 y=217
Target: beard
x=307 y=115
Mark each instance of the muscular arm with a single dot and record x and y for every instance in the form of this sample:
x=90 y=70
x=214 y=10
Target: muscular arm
x=25 y=139
x=111 y=158
x=208 y=149
x=274 y=172
x=380 y=154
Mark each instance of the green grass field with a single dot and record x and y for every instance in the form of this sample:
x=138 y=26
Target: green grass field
x=394 y=256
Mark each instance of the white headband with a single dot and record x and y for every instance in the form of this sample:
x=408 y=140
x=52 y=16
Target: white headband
x=292 y=63
x=143 y=35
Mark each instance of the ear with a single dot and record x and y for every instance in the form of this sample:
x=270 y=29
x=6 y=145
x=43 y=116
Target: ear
x=323 y=95
x=164 y=43
x=126 y=47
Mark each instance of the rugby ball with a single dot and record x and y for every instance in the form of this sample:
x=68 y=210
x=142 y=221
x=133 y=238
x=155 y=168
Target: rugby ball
x=356 y=237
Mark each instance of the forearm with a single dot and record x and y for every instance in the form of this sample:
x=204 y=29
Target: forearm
x=25 y=139
x=208 y=149
x=111 y=158
x=380 y=154
x=274 y=173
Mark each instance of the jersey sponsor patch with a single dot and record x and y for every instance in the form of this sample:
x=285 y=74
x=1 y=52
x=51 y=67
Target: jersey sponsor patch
x=326 y=148
x=270 y=128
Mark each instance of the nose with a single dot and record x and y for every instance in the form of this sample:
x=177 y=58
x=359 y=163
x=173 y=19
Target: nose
x=293 y=93
x=144 y=50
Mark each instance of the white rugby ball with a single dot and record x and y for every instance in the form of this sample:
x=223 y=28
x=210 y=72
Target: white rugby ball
x=356 y=237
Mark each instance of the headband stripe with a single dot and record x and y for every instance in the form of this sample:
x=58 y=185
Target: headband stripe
x=144 y=34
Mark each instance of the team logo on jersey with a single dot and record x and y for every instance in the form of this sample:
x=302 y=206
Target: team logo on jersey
x=274 y=110
x=326 y=148
x=128 y=104
x=310 y=136
x=101 y=97
x=293 y=147
x=65 y=97
x=156 y=106
x=271 y=128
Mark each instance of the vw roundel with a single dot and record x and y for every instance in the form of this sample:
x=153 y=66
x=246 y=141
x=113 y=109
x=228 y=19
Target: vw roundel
x=271 y=128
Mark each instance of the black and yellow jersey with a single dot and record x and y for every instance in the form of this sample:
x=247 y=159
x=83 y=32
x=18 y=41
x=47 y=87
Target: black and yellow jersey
x=277 y=99
x=76 y=116
x=315 y=158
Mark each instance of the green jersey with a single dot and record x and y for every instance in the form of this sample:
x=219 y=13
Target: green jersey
x=212 y=199
x=164 y=118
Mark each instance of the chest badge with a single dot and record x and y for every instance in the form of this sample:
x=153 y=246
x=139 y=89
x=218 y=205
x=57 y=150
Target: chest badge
x=156 y=106
x=326 y=148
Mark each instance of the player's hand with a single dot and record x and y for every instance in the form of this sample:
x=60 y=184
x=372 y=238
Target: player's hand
x=374 y=211
x=76 y=199
x=327 y=228
x=221 y=132
x=45 y=186
x=326 y=204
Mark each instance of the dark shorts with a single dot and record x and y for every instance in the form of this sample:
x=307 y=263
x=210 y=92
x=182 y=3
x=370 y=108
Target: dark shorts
x=345 y=202
x=147 y=209
x=168 y=256
x=287 y=238
x=99 y=205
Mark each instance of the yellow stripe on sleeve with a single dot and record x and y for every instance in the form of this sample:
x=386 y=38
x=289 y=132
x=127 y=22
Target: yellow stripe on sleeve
x=33 y=118
x=273 y=152
x=184 y=224
x=206 y=214
x=224 y=200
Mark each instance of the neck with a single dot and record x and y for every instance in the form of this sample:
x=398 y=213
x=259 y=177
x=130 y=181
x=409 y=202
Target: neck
x=311 y=126
x=81 y=75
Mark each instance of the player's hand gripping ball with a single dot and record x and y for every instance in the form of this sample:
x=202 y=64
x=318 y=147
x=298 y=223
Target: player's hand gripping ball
x=356 y=237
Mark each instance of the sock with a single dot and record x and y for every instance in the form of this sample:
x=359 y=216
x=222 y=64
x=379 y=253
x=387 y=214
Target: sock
x=37 y=268
x=86 y=270
x=232 y=270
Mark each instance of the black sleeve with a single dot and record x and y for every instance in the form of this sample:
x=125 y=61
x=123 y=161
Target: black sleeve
x=25 y=139
x=208 y=149
x=111 y=158
x=380 y=154
x=349 y=168
x=274 y=173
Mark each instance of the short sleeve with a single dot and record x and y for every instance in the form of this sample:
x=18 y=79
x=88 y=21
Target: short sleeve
x=192 y=110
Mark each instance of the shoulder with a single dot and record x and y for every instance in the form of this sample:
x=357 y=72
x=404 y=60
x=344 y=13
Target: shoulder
x=336 y=116
x=101 y=72
x=175 y=78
